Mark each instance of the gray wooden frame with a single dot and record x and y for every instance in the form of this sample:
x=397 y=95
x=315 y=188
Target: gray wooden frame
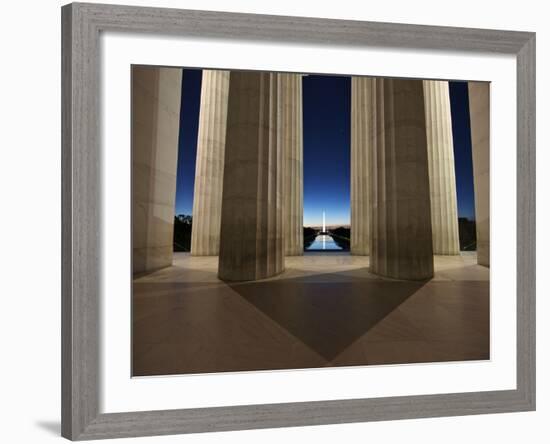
x=81 y=167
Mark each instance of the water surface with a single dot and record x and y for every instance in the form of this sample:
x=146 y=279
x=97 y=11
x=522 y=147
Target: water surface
x=323 y=242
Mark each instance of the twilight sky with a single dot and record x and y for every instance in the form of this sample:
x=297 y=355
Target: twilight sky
x=326 y=120
x=460 y=113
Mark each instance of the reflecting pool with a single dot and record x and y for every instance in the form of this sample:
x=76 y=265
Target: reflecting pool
x=323 y=242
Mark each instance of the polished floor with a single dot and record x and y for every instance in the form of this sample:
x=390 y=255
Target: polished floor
x=326 y=309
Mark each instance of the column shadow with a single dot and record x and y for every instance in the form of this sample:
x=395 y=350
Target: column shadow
x=327 y=312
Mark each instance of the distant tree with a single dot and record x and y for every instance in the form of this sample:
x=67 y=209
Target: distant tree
x=186 y=219
x=467 y=234
x=341 y=237
x=183 y=225
x=309 y=236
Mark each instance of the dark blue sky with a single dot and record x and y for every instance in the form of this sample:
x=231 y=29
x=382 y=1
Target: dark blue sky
x=326 y=105
x=187 y=151
x=327 y=111
x=462 y=142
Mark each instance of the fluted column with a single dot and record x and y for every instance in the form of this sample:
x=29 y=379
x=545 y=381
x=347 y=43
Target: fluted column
x=251 y=240
x=401 y=236
x=478 y=93
x=360 y=147
x=156 y=97
x=207 y=201
x=441 y=164
x=291 y=140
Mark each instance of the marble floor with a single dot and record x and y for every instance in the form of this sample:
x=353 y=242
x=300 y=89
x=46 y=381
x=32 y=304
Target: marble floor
x=325 y=309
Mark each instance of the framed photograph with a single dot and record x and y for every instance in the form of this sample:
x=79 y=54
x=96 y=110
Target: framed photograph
x=276 y=221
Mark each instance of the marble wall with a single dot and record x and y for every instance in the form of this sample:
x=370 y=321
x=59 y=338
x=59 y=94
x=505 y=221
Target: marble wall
x=441 y=164
x=156 y=96
x=251 y=239
x=361 y=147
x=207 y=198
x=480 y=129
x=401 y=232
x=291 y=138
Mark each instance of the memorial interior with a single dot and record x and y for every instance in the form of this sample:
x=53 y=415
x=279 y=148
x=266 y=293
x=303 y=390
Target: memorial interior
x=247 y=296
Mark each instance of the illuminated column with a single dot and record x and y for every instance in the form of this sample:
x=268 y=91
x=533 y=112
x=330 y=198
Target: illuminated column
x=478 y=93
x=401 y=232
x=291 y=140
x=360 y=198
x=207 y=201
x=156 y=96
x=251 y=240
x=441 y=164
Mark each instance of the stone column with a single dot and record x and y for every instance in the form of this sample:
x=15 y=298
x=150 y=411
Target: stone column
x=207 y=201
x=251 y=239
x=401 y=232
x=291 y=140
x=156 y=96
x=360 y=148
x=441 y=162
x=479 y=98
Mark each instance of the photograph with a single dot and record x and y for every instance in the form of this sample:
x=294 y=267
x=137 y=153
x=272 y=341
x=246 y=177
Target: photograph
x=302 y=220
x=275 y=222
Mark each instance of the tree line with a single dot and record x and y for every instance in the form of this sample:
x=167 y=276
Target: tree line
x=183 y=225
